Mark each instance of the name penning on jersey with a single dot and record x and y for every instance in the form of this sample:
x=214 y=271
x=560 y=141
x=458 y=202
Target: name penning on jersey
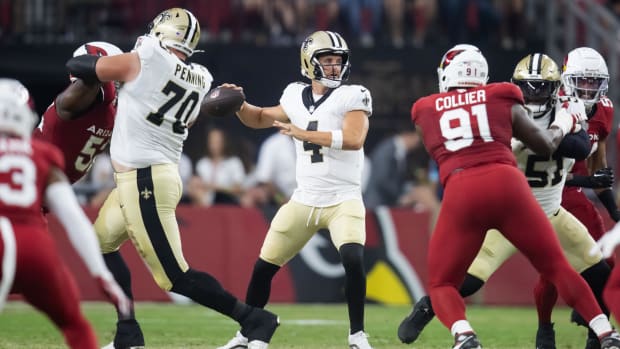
x=186 y=74
x=460 y=99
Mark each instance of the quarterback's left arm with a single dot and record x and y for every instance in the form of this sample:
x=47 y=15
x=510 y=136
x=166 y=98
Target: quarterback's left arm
x=351 y=137
x=597 y=161
x=90 y=68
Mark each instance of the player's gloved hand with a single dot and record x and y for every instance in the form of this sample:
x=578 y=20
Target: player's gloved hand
x=114 y=292
x=607 y=243
x=602 y=178
x=570 y=114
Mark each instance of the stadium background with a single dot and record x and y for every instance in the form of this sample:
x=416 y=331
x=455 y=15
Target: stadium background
x=35 y=42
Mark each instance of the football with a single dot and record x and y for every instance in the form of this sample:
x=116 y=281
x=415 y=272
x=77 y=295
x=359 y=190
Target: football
x=222 y=101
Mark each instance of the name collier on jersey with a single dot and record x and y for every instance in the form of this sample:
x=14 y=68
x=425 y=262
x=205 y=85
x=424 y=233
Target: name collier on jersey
x=460 y=99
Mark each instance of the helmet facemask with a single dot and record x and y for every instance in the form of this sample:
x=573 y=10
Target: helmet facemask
x=538 y=77
x=585 y=75
x=587 y=88
x=331 y=80
x=317 y=45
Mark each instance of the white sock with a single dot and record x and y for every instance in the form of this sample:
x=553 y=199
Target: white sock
x=600 y=325
x=460 y=326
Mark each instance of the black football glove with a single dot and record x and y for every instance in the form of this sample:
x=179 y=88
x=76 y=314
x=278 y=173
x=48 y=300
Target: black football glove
x=603 y=178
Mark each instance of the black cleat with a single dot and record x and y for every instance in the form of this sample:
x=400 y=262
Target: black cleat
x=128 y=335
x=545 y=336
x=577 y=319
x=259 y=325
x=411 y=327
x=466 y=340
x=610 y=341
x=592 y=341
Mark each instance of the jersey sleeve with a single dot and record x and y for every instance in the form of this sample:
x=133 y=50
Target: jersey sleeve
x=358 y=98
x=510 y=92
x=146 y=46
x=607 y=117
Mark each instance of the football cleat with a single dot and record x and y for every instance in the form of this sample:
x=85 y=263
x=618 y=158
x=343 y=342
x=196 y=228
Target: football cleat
x=610 y=340
x=111 y=346
x=411 y=327
x=359 y=340
x=128 y=336
x=239 y=341
x=467 y=340
x=545 y=336
x=259 y=326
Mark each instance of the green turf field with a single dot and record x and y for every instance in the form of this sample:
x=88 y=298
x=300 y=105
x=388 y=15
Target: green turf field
x=302 y=326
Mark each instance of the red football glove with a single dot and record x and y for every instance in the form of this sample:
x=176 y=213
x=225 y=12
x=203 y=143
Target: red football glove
x=114 y=292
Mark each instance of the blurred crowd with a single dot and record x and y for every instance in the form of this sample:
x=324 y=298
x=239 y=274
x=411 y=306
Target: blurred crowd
x=281 y=22
x=398 y=173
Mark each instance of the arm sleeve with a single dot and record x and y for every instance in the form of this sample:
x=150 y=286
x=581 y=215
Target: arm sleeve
x=62 y=201
x=575 y=145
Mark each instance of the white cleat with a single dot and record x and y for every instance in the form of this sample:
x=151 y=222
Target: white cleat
x=239 y=341
x=359 y=340
x=256 y=344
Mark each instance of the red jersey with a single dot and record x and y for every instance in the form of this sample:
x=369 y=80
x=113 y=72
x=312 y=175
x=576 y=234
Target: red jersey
x=24 y=170
x=468 y=128
x=82 y=139
x=599 y=127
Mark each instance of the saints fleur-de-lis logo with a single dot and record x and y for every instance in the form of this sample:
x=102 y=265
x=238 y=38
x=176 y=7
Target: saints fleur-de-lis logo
x=306 y=43
x=146 y=193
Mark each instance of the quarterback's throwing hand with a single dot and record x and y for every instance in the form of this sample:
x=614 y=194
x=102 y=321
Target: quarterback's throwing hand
x=114 y=292
x=607 y=244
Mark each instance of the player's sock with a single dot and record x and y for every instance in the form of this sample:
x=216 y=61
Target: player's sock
x=117 y=266
x=204 y=289
x=352 y=256
x=470 y=285
x=596 y=276
x=259 y=288
x=545 y=295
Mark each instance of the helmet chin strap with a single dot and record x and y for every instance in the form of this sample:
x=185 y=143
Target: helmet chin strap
x=329 y=83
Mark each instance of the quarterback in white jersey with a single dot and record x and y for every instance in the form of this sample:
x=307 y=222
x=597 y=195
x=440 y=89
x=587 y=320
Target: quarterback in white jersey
x=538 y=76
x=329 y=123
x=159 y=100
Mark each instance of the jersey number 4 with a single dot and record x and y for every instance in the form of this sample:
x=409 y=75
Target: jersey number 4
x=176 y=94
x=316 y=156
x=457 y=126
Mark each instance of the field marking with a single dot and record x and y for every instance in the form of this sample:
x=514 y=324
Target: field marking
x=315 y=322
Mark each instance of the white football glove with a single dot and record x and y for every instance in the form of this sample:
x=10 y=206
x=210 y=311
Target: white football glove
x=570 y=114
x=607 y=243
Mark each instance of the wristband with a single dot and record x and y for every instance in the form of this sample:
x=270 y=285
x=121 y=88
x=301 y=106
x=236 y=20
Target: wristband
x=336 y=139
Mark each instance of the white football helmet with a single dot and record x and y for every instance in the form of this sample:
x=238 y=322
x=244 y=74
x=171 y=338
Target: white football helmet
x=98 y=48
x=319 y=43
x=462 y=66
x=16 y=109
x=176 y=28
x=585 y=75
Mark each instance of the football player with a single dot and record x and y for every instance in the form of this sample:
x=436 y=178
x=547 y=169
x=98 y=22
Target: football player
x=31 y=177
x=80 y=122
x=329 y=122
x=585 y=76
x=467 y=129
x=158 y=101
x=538 y=77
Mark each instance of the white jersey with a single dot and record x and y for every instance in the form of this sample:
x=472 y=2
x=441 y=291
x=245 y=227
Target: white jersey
x=325 y=176
x=155 y=108
x=545 y=175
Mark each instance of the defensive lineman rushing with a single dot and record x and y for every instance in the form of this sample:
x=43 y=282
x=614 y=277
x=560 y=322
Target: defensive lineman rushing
x=329 y=123
x=471 y=143
x=31 y=177
x=538 y=77
x=159 y=100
